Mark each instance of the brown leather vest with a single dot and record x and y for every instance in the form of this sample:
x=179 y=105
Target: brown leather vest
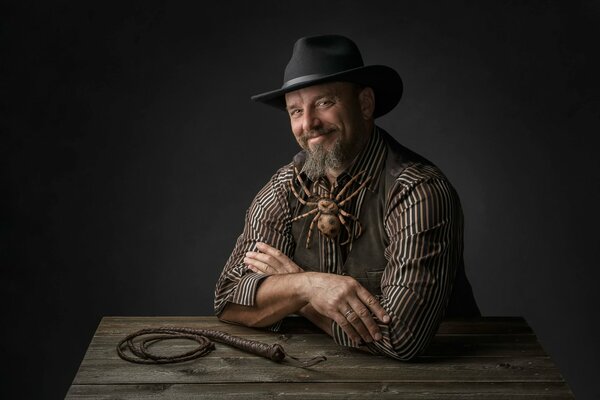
x=366 y=261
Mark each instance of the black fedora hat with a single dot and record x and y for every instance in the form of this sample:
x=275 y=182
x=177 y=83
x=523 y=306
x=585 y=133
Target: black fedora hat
x=332 y=58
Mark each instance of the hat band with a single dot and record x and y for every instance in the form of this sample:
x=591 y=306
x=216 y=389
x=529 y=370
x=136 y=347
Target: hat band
x=303 y=79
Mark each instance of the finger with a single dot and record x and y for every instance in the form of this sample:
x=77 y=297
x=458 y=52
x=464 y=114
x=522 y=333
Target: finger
x=371 y=302
x=362 y=316
x=253 y=269
x=346 y=327
x=266 y=259
x=273 y=252
x=353 y=318
x=287 y=265
x=261 y=266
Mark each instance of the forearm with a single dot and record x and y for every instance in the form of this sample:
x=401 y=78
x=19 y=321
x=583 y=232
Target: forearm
x=414 y=321
x=276 y=297
x=422 y=260
x=267 y=220
x=290 y=289
x=321 y=321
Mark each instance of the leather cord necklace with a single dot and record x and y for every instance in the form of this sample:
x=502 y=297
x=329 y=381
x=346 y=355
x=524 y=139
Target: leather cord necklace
x=139 y=343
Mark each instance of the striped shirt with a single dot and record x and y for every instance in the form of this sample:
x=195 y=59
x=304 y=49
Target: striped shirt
x=424 y=228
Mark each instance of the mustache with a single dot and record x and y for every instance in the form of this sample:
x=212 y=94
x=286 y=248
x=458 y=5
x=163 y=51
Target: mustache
x=317 y=132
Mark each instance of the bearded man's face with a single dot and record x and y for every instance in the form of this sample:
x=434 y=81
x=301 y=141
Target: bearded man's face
x=327 y=122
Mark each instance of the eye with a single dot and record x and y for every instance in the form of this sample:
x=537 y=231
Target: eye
x=296 y=112
x=324 y=103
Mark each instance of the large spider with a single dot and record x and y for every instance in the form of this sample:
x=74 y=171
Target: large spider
x=330 y=214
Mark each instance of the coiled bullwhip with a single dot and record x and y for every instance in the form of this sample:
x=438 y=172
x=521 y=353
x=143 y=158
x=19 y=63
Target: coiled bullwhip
x=139 y=343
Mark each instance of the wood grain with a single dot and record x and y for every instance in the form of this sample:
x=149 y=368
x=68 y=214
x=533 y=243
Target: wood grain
x=303 y=391
x=488 y=358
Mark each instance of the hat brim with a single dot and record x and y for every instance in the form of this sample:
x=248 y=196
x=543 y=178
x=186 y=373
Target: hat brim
x=385 y=82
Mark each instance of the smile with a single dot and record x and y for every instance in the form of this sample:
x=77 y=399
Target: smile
x=317 y=137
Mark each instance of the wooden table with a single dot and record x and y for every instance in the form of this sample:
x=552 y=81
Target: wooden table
x=485 y=358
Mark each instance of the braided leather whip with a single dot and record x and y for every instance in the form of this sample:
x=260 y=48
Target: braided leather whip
x=139 y=343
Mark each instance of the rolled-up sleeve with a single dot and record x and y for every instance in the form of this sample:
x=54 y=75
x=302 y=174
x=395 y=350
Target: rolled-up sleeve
x=424 y=224
x=267 y=220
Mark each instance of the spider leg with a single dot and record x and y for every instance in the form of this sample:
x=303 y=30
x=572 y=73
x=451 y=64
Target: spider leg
x=343 y=221
x=302 y=182
x=314 y=210
x=310 y=228
x=350 y=182
x=341 y=203
x=358 y=229
x=296 y=193
x=300 y=199
x=347 y=214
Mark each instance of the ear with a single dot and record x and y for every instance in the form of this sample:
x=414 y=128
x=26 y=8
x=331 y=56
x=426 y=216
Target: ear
x=366 y=98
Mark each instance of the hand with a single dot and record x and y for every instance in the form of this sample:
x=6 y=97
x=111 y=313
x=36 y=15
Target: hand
x=270 y=261
x=348 y=303
x=317 y=319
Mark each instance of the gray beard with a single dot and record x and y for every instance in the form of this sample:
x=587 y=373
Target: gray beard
x=319 y=160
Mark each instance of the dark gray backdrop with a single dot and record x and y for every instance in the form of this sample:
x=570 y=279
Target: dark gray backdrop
x=131 y=151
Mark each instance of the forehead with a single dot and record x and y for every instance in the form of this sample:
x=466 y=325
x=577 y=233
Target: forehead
x=314 y=92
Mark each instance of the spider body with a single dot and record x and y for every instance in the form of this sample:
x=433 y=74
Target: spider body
x=328 y=212
x=328 y=221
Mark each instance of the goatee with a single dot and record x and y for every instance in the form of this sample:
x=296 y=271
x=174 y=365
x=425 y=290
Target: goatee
x=319 y=160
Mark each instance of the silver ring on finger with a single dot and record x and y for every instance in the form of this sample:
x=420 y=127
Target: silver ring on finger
x=347 y=313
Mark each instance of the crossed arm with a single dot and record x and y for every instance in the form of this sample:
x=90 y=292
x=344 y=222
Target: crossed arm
x=320 y=297
x=423 y=253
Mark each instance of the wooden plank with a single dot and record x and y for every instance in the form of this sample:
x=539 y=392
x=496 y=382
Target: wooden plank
x=483 y=358
x=479 y=326
x=351 y=367
x=487 y=345
x=123 y=325
x=311 y=345
x=438 y=390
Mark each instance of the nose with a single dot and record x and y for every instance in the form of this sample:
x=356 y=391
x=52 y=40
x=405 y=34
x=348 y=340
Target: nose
x=310 y=121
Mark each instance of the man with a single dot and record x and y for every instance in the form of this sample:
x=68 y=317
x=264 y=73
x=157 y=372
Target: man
x=358 y=234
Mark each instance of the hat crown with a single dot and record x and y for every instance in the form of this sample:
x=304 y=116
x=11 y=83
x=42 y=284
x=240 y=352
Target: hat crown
x=333 y=58
x=322 y=55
